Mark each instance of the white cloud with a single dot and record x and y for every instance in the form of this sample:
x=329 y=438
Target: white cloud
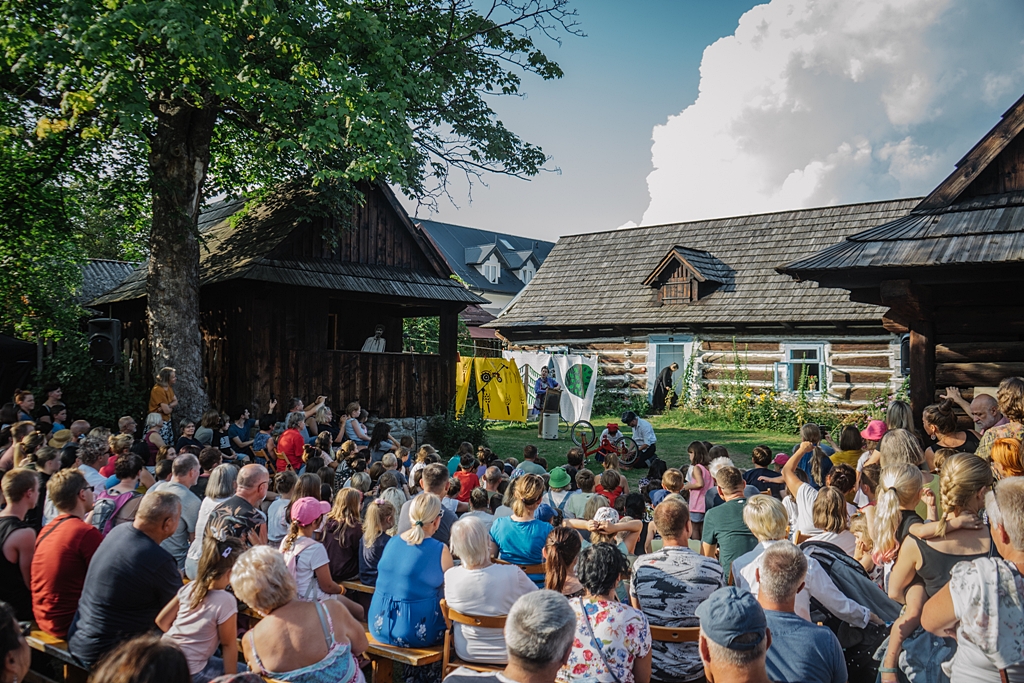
x=817 y=102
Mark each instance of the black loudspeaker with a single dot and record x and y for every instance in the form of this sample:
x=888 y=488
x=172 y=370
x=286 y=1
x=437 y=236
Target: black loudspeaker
x=905 y=355
x=105 y=341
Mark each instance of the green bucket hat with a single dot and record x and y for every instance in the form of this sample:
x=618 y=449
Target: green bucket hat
x=559 y=478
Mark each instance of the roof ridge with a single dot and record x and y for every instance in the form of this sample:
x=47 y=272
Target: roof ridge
x=741 y=216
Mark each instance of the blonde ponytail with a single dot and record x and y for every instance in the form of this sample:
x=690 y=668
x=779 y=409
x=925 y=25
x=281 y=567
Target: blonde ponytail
x=899 y=487
x=424 y=509
x=293 y=533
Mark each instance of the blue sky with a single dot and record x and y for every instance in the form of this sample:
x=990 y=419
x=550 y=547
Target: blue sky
x=638 y=64
x=675 y=110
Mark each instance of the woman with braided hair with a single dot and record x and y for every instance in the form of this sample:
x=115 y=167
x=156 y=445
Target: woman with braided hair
x=963 y=483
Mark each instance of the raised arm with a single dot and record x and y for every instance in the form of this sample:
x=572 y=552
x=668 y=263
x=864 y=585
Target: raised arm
x=789 y=469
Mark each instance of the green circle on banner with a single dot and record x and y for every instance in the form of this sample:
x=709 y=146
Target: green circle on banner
x=577 y=379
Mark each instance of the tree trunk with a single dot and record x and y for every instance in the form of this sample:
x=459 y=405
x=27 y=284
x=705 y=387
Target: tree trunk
x=178 y=159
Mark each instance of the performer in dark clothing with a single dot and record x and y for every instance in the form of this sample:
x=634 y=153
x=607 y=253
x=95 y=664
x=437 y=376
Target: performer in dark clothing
x=662 y=387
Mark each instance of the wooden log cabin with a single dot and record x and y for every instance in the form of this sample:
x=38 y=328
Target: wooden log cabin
x=642 y=298
x=945 y=270
x=287 y=301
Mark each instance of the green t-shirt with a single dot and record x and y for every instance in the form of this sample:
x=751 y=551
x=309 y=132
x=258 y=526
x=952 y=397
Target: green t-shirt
x=724 y=527
x=530 y=467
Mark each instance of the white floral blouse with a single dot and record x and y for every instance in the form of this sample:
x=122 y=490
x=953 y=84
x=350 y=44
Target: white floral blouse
x=624 y=636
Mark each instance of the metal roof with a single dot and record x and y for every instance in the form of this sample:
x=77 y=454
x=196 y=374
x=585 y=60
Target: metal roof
x=465 y=247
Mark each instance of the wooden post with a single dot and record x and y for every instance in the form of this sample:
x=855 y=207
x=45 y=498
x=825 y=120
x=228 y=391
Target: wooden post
x=448 y=348
x=922 y=367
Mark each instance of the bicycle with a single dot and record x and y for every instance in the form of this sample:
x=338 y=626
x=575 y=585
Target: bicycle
x=583 y=434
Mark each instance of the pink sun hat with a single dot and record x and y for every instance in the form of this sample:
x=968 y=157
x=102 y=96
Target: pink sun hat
x=874 y=431
x=308 y=510
x=780 y=459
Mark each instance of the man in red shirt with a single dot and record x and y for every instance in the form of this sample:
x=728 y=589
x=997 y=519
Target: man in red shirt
x=63 y=551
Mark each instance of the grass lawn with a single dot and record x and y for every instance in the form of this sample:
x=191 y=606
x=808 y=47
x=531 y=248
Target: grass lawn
x=507 y=440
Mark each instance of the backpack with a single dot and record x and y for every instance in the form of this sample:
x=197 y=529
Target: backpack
x=106 y=507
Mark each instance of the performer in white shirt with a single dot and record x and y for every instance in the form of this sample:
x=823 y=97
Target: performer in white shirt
x=643 y=435
x=375 y=344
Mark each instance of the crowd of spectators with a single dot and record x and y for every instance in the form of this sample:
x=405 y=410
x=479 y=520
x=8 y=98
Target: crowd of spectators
x=905 y=542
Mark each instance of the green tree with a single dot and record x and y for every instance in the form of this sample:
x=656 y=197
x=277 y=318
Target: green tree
x=239 y=96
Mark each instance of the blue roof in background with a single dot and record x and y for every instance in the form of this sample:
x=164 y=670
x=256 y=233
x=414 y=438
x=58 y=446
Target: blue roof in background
x=464 y=246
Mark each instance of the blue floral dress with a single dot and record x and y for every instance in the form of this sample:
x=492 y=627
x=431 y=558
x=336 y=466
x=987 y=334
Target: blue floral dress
x=406 y=606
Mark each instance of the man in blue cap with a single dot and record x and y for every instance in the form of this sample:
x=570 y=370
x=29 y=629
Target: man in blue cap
x=734 y=637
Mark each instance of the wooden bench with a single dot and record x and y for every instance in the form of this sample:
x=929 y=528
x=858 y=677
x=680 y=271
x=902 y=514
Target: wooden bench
x=357 y=587
x=451 y=617
x=57 y=648
x=383 y=658
x=670 y=634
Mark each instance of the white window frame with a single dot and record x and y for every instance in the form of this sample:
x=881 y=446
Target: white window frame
x=785 y=381
x=526 y=273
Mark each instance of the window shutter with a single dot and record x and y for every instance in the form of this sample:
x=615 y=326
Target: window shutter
x=782 y=377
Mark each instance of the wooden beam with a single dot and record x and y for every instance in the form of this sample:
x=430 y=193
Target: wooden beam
x=893 y=326
x=975 y=374
x=987 y=352
x=905 y=300
x=922 y=367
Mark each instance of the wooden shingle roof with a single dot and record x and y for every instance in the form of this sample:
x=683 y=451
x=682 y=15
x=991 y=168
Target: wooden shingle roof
x=242 y=249
x=598 y=278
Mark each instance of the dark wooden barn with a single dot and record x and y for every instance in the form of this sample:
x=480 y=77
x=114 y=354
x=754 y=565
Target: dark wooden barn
x=285 y=310
x=949 y=271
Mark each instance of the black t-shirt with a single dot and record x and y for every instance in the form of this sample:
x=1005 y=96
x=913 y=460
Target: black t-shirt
x=129 y=581
x=184 y=441
x=751 y=477
x=222 y=441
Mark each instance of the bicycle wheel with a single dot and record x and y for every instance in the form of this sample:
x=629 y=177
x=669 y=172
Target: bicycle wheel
x=627 y=451
x=583 y=434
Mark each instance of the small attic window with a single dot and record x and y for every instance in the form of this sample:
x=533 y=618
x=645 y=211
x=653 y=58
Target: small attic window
x=679 y=288
x=686 y=275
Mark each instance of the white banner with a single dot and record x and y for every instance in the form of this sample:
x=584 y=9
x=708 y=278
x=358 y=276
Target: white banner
x=577 y=376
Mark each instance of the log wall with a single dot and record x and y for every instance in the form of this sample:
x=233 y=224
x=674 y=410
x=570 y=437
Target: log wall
x=860 y=368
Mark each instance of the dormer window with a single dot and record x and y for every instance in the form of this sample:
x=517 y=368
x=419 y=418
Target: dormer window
x=492 y=271
x=526 y=273
x=679 y=288
x=686 y=275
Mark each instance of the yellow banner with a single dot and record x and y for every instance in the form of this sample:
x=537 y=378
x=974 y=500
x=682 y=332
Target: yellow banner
x=500 y=389
x=463 y=372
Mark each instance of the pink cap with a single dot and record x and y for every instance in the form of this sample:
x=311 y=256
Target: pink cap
x=781 y=459
x=308 y=510
x=874 y=431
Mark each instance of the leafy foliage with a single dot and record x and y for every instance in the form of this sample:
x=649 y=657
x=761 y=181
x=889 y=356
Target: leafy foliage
x=447 y=430
x=423 y=335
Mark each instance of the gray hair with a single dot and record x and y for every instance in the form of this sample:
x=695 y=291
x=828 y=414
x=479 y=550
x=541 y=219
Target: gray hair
x=154 y=420
x=183 y=464
x=222 y=482
x=738 y=658
x=294 y=420
x=783 y=568
x=262 y=580
x=469 y=541
x=157 y=506
x=1005 y=507
x=719 y=463
x=900 y=446
x=539 y=629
